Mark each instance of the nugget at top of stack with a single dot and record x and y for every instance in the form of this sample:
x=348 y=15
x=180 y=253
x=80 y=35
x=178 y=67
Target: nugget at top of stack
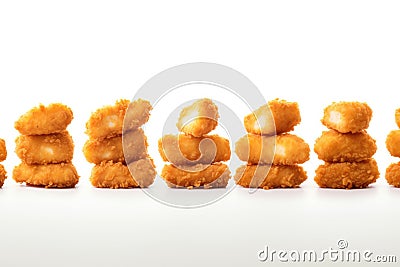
x=393 y=146
x=119 y=151
x=3 y=156
x=45 y=148
x=194 y=155
x=272 y=154
x=346 y=148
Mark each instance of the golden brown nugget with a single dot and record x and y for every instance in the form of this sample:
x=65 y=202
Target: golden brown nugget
x=270 y=176
x=3 y=175
x=198 y=119
x=44 y=149
x=393 y=174
x=256 y=149
x=61 y=175
x=3 y=150
x=134 y=145
x=347 y=117
x=393 y=143
x=185 y=149
x=118 y=175
x=397 y=117
x=347 y=175
x=215 y=175
x=333 y=146
x=53 y=118
x=276 y=117
x=138 y=113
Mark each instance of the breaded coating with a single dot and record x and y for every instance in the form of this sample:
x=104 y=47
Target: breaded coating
x=111 y=149
x=44 y=149
x=61 y=175
x=393 y=143
x=199 y=118
x=256 y=149
x=118 y=175
x=276 y=117
x=270 y=176
x=397 y=117
x=393 y=174
x=215 y=175
x=138 y=113
x=347 y=175
x=3 y=150
x=347 y=117
x=333 y=146
x=185 y=149
x=53 y=118
x=3 y=175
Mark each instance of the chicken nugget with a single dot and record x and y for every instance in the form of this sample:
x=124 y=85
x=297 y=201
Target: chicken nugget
x=393 y=174
x=134 y=145
x=118 y=175
x=256 y=149
x=138 y=113
x=276 y=117
x=189 y=150
x=44 y=149
x=270 y=176
x=215 y=175
x=199 y=118
x=333 y=146
x=397 y=117
x=3 y=150
x=3 y=175
x=53 y=118
x=61 y=175
x=347 y=175
x=393 y=143
x=347 y=117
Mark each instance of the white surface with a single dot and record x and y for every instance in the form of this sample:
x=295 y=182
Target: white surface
x=90 y=53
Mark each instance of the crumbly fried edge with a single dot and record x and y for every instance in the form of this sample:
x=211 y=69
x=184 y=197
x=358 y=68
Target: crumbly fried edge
x=397 y=117
x=393 y=143
x=393 y=174
x=3 y=175
x=3 y=150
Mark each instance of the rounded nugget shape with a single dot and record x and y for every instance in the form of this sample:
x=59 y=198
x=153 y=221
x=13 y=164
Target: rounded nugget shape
x=62 y=175
x=347 y=117
x=215 y=175
x=199 y=118
x=393 y=143
x=276 y=117
x=44 y=149
x=53 y=118
x=393 y=174
x=397 y=117
x=347 y=175
x=256 y=149
x=333 y=146
x=3 y=150
x=270 y=176
x=186 y=149
x=3 y=175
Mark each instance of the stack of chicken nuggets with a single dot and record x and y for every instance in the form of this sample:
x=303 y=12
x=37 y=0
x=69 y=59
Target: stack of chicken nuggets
x=119 y=151
x=3 y=156
x=268 y=166
x=393 y=145
x=346 y=148
x=45 y=148
x=196 y=157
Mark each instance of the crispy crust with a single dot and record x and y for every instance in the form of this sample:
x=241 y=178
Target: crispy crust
x=185 y=149
x=199 y=118
x=62 y=175
x=44 y=149
x=134 y=145
x=393 y=143
x=257 y=149
x=393 y=174
x=215 y=175
x=3 y=150
x=3 y=175
x=397 y=117
x=347 y=175
x=333 y=146
x=270 y=176
x=138 y=113
x=53 y=118
x=276 y=117
x=346 y=117
x=118 y=175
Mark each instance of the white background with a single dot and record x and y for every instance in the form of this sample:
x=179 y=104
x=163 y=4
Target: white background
x=89 y=53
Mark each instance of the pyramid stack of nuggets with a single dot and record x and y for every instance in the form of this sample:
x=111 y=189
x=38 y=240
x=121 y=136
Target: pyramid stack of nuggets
x=272 y=154
x=196 y=158
x=346 y=148
x=45 y=148
x=3 y=156
x=119 y=151
x=393 y=145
